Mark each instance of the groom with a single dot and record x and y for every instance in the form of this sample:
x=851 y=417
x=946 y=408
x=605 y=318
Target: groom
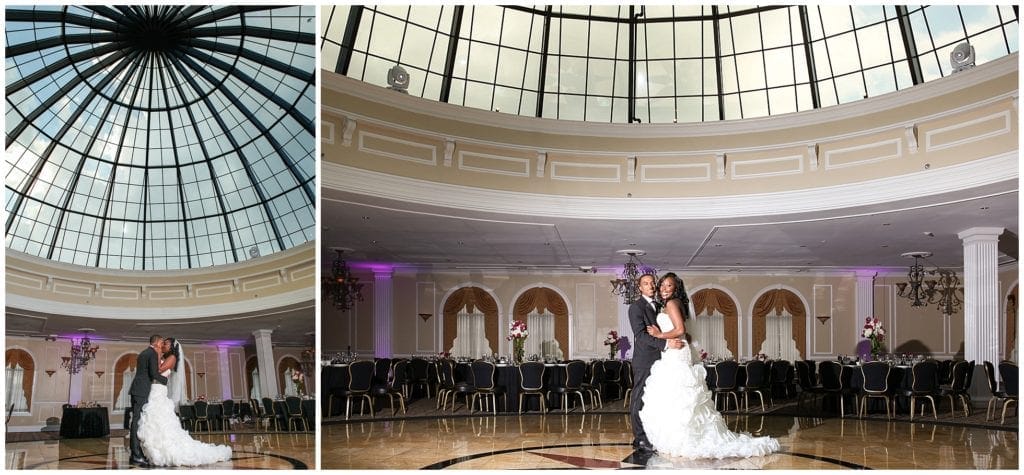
x=147 y=371
x=646 y=350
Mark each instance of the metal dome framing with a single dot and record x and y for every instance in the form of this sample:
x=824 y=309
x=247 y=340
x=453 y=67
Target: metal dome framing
x=159 y=137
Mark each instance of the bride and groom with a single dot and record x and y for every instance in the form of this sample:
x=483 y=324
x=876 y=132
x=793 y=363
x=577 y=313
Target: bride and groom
x=671 y=411
x=157 y=438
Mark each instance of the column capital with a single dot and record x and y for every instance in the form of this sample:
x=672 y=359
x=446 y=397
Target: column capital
x=866 y=274
x=980 y=233
x=383 y=273
x=262 y=333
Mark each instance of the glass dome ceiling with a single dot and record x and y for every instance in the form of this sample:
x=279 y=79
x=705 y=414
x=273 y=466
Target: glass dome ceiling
x=159 y=137
x=658 y=63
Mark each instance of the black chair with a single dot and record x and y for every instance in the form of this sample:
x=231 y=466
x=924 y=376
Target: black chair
x=531 y=383
x=228 y=414
x=957 y=388
x=781 y=375
x=613 y=376
x=806 y=383
x=270 y=413
x=293 y=410
x=628 y=373
x=726 y=375
x=360 y=381
x=10 y=412
x=833 y=382
x=998 y=395
x=381 y=370
x=876 y=385
x=575 y=371
x=945 y=372
x=1010 y=374
x=445 y=383
x=419 y=376
x=486 y=389
x=394 y=387
x=466 y=389
x=924 y=384
x=202 y=412
x=756 y=382
x=593 y=382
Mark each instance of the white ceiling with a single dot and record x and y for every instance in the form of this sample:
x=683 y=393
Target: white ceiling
x=387 y=231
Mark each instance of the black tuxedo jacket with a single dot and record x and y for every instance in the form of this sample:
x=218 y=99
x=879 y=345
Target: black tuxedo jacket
x=147 y=370
x=646 y=348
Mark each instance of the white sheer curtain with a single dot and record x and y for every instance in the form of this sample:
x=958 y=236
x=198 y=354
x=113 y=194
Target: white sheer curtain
x=542 y=340
x=15 y=388
x=254 y=393
x=289 y=384
x=470 y=339
x=123 y=398
x=778 y=341
x=708 y=333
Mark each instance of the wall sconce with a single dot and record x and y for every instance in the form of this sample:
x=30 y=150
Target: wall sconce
x=50 y=372
x=823 y=318
x=202 y=374
x=99 y=374
x=426 y=316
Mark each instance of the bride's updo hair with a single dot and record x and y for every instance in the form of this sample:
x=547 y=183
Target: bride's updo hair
x=680 y=293
x=176 y=351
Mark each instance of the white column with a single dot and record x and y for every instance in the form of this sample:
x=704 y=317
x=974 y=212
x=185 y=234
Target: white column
x=866 y=306
x=265 y=358
x=981 y=294
x=75 y=389
x=225 y=372
x=382 y=312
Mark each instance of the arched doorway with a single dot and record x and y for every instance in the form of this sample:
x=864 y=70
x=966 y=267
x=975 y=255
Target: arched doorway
x=20 y=376
x=124 y=372
x=1011 y=323
x=285 y=368
x=547 y=317
x=780 y=319
x=470 y=309
x=718 y=321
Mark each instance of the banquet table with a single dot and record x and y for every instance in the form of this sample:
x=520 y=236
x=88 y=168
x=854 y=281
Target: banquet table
x=84 y=422
x=508 y=377
x=214 y=411
x=308 y=413
x=900 y=378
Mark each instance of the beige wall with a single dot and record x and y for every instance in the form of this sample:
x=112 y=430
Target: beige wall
x=593 y=311
x=51 y=392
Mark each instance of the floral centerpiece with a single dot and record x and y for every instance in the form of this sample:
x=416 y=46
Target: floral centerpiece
x=300 y=381
x=517 y=335
x=612 y=342
x=703 y=354
x=874 y=332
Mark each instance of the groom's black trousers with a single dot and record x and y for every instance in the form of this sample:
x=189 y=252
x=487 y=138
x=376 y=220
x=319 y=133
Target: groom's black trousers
x=136 y=448
x=636 y=402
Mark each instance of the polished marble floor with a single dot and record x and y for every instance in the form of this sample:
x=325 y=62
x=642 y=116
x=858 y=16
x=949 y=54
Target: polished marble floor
x=286 y=451
x=601 y=440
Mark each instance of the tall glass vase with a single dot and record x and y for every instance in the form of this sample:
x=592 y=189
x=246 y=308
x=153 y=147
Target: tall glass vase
x=517 y=349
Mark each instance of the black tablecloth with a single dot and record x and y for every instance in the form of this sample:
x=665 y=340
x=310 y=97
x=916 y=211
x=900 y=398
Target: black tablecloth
x=332 y=377
x=85 y=422
x=308 y=413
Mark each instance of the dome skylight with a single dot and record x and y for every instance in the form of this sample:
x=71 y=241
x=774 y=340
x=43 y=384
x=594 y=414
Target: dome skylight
x=166 y=137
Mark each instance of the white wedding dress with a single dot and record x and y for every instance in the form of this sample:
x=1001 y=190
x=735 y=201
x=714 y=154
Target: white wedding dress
x=163 y=440
x=679 y=415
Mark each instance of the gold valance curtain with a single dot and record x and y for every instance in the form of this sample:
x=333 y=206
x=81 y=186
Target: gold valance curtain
x=774 y=302
x=539 y=299
x=708 y=301
x=124 y=363
x=473 y=299
x=15 y=357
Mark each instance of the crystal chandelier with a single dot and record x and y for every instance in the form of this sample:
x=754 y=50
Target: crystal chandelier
x=627 y=285
x=82 y=352
x=941 y=290
x=341 y=288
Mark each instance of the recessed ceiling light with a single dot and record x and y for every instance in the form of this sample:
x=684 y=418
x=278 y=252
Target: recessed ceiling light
x=718 y=245
x=885 y=224
x=983 y=207
x=885 y=245
x=462 y=243
x=803 y=245
x=366 y=217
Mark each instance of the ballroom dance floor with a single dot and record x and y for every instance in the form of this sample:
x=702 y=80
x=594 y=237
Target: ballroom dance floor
x=432 y=440
x=283 y=451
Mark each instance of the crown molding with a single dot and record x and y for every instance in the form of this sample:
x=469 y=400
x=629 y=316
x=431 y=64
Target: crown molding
x=965 y=176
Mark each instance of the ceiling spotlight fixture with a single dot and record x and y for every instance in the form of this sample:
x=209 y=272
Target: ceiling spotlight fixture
x=341 y=288
x=628 y=284
x=942 y=291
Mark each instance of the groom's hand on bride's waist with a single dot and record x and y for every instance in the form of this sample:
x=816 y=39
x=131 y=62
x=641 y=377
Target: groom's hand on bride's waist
x=674 y=344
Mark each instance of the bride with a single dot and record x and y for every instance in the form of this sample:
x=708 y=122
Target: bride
x=678 y=414
x=163 y=440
